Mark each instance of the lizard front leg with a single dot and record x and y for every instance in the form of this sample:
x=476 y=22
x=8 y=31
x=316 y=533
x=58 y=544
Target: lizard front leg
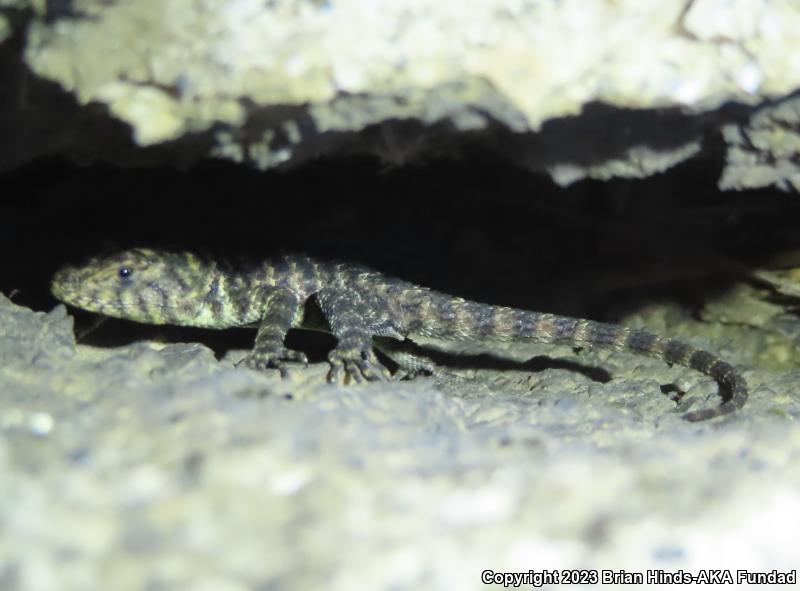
x=282 y=310
x=354 y=317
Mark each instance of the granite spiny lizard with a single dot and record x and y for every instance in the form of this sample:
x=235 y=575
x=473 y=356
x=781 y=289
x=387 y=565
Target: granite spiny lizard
x=161 y=287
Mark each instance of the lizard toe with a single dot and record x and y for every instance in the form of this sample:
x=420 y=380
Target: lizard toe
x=356 y=366
x=372 y=369
x=274 y=359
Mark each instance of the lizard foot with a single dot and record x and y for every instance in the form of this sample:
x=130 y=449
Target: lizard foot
x=356 y=365
x=273 y=359
x=405 y=373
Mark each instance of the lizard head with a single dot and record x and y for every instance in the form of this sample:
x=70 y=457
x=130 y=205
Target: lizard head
x=140 y=284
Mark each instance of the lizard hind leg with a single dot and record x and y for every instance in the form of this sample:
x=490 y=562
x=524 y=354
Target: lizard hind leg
x=410 y=364
x=414 y=361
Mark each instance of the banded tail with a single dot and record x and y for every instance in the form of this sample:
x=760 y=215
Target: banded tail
x=457 y=319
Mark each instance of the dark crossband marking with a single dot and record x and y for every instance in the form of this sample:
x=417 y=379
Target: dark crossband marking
x=641 y=342
x=677 y=352
x=483 y=319
x=606 y=335
x=706 y=362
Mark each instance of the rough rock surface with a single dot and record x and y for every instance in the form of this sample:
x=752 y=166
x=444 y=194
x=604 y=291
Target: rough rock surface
x=764 y=151
x=595 y=88
x=156 y=466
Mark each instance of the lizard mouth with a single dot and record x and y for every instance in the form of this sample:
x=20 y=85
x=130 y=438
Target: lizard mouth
x=63 y=285
x=71 y=287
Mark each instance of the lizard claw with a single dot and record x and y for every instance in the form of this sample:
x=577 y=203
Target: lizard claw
x=273 y=359
x=357 y=366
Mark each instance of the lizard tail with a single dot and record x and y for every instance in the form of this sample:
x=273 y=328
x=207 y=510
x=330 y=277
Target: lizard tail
x=457 y=319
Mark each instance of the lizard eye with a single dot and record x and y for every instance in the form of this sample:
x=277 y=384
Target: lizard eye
x=125 y=272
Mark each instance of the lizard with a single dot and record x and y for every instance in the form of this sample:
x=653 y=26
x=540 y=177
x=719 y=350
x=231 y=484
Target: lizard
x=361 y=307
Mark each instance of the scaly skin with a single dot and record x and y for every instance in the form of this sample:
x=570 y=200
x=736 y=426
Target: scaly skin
x=160 y=287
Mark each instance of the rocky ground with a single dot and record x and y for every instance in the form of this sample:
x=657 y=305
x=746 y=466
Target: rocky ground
x=623 y=160
x=156 y=466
